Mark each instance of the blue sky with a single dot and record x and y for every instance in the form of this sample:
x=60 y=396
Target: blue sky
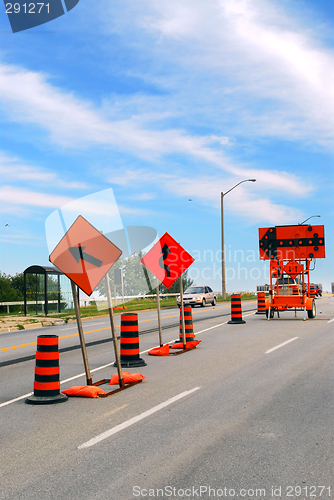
x=163 y=102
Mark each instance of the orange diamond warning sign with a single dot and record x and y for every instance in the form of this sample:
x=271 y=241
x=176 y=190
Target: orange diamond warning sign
x=167 y=260
x=293 y=268
x=84 y=255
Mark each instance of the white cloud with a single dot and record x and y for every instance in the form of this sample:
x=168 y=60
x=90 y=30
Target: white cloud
x=21 y=238
x=253 y=49
x=13 y=169
x=146 y=196
x=242 y=67
x=282 y=182
x=17 y=196
x=246 y=201
x=28 y=97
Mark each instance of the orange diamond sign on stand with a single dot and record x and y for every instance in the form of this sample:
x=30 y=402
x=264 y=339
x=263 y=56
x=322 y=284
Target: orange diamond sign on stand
x=84 y=255
x=167 y=260
x=293 y=268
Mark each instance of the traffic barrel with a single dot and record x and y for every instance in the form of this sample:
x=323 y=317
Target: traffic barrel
x=261 y=303
x=295 y=290
x=188 y=324
x=236 y=311
x=312 y=292
x=129 y=348
x=47 y=372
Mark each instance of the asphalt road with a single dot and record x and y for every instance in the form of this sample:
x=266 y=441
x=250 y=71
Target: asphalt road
x=20 y=345
x=248 y=414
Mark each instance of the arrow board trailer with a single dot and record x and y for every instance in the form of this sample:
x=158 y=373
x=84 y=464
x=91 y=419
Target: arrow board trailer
x=290 y=250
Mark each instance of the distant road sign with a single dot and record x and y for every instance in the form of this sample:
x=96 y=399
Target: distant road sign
x=293 y=268
x=84 y=255
x=167 y=260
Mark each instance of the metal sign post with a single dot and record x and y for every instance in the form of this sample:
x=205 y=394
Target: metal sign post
x=81 y=335
x=115 y=296
x=182 y=314
x=114 y=335
x=118 y=280
x=159 y=317
x=122 y=288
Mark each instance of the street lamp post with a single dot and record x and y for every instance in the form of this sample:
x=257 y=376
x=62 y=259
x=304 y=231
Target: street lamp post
x=222 y=231
x=300 y=223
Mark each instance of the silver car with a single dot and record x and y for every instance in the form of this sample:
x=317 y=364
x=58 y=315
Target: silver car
x=286 y=285
x=198 y=295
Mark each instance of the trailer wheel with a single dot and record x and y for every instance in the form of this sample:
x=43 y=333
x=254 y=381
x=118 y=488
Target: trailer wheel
x=271 y=313
x=312 y=312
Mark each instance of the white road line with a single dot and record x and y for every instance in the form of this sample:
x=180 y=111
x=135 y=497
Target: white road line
x=84 y=374
x=68 y=328
x=330 y=321
x=278 y=346
x=134 y=420
x=211 y=327
x=62 y=382
x=16 y=399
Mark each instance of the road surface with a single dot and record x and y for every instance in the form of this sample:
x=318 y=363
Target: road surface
x=248 y=414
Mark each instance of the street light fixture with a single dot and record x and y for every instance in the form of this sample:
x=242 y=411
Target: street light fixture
x=300 y=223
x=223 y=244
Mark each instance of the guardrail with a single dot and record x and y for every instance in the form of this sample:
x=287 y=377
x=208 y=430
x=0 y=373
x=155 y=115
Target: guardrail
x=84 y=302
x=119 y=299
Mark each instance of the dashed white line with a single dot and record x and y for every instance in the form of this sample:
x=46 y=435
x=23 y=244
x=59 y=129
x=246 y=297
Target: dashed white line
x=281 y=345
x=134 y=420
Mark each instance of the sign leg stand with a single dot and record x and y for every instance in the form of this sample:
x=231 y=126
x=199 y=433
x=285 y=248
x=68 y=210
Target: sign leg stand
x=184 y=346
x=81 y=335
x=114 y=335
x=159 y=317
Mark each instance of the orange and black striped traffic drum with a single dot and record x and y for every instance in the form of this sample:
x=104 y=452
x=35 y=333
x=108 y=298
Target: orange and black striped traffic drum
x=188 y=324
x=129 y=348
x=47 y=372
x=236 y=311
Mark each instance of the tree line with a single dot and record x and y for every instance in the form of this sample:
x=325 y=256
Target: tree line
x=137 y=280
x=11 y=287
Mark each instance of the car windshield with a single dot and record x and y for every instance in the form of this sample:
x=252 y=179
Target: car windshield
x=286 y=281
x=195 y=289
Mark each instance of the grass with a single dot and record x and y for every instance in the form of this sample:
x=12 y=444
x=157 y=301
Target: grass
x=134 y=305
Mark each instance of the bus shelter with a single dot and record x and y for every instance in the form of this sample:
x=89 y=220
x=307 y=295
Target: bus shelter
x=45 y=289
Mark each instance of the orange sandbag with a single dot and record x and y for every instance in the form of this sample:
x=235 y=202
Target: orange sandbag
x=192 y=343
x=85 y=391
x=127 y=377
x=160 y=351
